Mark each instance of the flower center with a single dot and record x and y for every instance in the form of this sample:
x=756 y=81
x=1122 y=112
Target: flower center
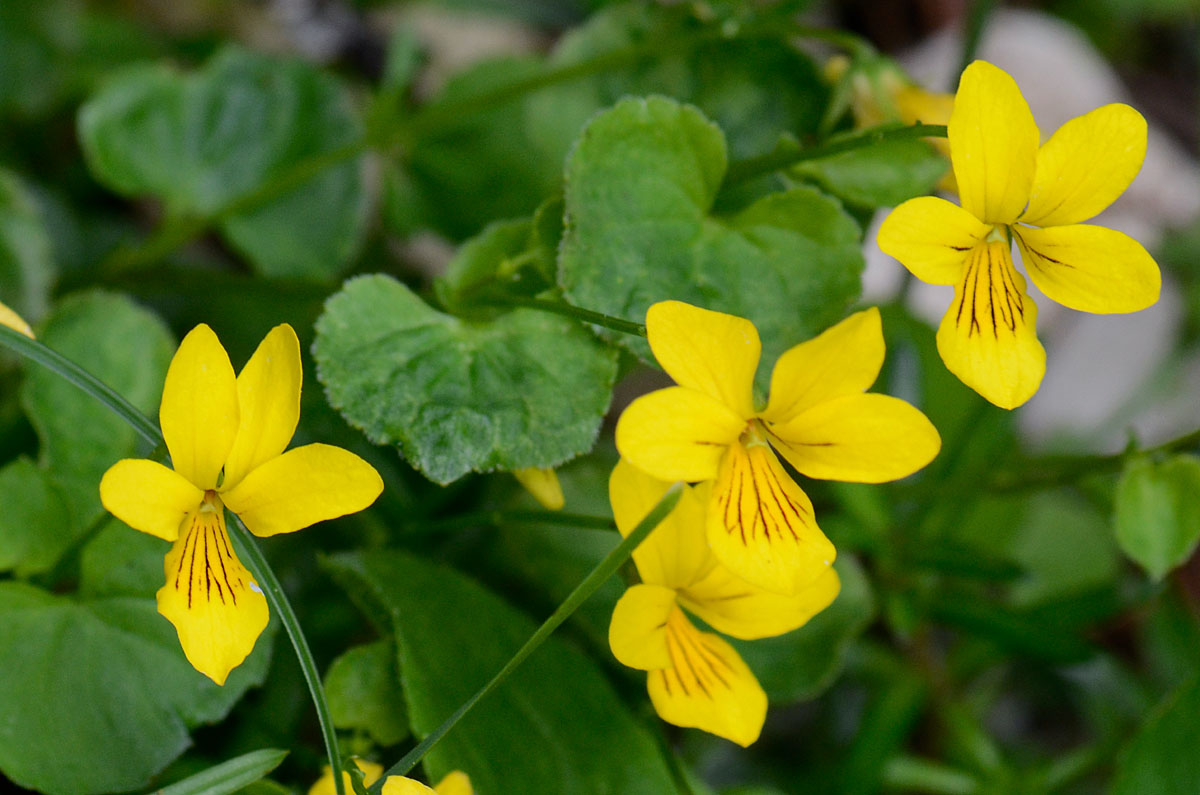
x=999 y=234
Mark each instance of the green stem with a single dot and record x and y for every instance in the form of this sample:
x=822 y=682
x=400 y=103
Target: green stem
x=256 y=563
x=788 y=152
x=261 y=569
x=567 y=310
x=605 y=569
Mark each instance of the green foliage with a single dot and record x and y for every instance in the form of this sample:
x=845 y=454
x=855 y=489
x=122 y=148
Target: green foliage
x=558 y=696
x=882 y=175
x=1161 y=758
x=640 y=187
x=34 y=519
x=26 y=266
x=361 y=688
x=212 y=143
x=526 y=389
x=229 y=776
x=1158 y=512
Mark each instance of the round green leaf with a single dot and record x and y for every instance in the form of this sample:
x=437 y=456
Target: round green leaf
x=527 y=389
x=640 y=187
x=881 y=175
x=363 y=691
x=1158 y=512
x=555 y=725
x=35 y=524
x=203 y=141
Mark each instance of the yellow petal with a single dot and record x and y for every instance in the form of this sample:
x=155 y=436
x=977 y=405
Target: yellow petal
x=301 y=487
x=456 y=782
x=858 y=438
x=199 y=412
x=14 y=321
x=403 y=785
x=993 y=144
x=710 y=352
x=708 y=687
x=1086 y=165
x=1090 y=268
x=216 y=606
x=730 y=605
x=842 y=360
x=988 y=337
x=543 y=485
x=676 y=553
x=637 y=633
x=931 y=237
x=677 y=433
x=324 y=786
x=761 y=525
x=268 y=391
x=918 y=106
x=148 y=496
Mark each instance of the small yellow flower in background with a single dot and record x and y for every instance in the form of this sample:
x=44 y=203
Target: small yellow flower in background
x=760 y=524
x=543 y=485
x=14 y=321
x=695 y=678
x=455 y=783
x=1010 y=187
x=324 y=785
x=226 y=437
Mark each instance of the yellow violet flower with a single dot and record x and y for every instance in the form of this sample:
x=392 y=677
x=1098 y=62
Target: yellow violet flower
x=543 y=485
x=695 y=678
x=226 y=437
x=1010 y=187
x=14 y=321
x=760 y=523
x=324 y=785
x=455 y=783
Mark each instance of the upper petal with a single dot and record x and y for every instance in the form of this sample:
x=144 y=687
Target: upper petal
x=268 y=390
x=301 y=487
x=1090 y=268
x=676 y=552
x=637 y=633
x=403 y=785
x=931 y=237
x=843 y=360
x=148 y=496
x=216 y=607
x=988 y=337
x=708 y=686
x=710 y=352
x=199 y=412
x=1086 y=165
x=677 y=433
x=858 y=438
x=456 y=782
x=730 y=605
x=993 y=144
x=761 y=525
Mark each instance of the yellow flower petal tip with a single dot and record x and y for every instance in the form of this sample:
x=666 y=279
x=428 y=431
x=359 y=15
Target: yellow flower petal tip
x=403 y=785
x=1014 y=188
x=226 y=436
x=456 y=782
x=14 y=321
x=543 y=485
x=324 y=785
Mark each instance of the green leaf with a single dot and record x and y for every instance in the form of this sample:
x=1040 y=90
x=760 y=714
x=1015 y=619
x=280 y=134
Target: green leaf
x=35 y=524
x=1062 y=547
x=105 y=678
x=555 y=725
x=123 y=345
x=203 y=141
x=527 y=389
x=26 y=264
x=882 y=175
x=229 y=776
x=1158 y=512
x=507 y=254
x=640 y=185
x=363 y=691
x=1162 y=756
x=803 y=663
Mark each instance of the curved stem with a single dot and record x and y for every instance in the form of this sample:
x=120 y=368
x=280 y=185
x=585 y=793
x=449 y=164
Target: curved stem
x=604 y=569
x=255 y=562
x=567 y=310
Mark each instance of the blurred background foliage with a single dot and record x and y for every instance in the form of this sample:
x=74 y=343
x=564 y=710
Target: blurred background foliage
x=1017 y=618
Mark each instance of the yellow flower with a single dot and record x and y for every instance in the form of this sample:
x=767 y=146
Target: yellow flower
x=695 y=678
x=760 y=524
x=324 y=785
x=455 y=783
x=543 y=485
x=1012 y=188
x=14 y=321
x=226 y=438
